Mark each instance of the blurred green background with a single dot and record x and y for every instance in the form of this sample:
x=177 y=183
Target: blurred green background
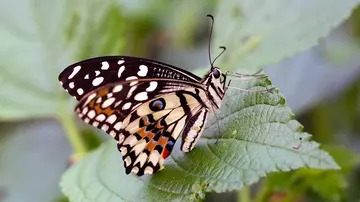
x=40 y=38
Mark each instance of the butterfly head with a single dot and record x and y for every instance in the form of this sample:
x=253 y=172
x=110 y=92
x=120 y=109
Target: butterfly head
x=217 y=75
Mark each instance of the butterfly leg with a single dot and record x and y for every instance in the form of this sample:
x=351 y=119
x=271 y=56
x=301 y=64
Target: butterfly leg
x=218 y=124
x=252 y=91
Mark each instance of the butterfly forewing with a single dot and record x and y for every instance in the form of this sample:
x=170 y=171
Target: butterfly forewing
x=82 y=77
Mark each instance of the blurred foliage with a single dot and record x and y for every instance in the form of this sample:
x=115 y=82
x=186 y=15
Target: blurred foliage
x=320 y=184
x=46 y=37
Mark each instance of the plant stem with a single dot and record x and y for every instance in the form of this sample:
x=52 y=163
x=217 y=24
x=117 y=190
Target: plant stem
x=244 y=195
x=73 y=135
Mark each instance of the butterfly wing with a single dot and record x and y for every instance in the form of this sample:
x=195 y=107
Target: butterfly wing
x=83 y=77
x=150 y=132
x=194 y=129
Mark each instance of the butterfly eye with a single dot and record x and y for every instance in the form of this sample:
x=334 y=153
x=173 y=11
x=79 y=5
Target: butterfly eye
x=157 y=105
x=216 y=73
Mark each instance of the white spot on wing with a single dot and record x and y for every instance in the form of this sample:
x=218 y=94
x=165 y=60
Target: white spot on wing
x=121 y=62
x=121 y=70
x=97 y=73
x=143 y=70
x=90 y=97
x=141 y=158
x=71 y=85
x=118 y=125
x=131 y=91
x=111 y=119
x=101 y=117
x=86 y=76
x=105 y=127
x=75 y=71
x=130 y=140
x=91 y=114
x=80 y=91
x=126 y=106
x=135 y=170
x=107 y=102
x=154 y=157
x=121 y=138
x=123 y=150
x=117 y=103
x=132 y=78
x=141 y=96
x=112 y=133
x=139 y=146
x=97 y=81
x=99 y=100
x=152 y=86
x=117 y=88
x=127 y=161
x=105 y=66
x=149 y=170
x=85 y=110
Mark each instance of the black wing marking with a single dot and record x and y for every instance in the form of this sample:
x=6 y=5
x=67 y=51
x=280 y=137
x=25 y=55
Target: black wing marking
x=84 y=76
x=194 y=129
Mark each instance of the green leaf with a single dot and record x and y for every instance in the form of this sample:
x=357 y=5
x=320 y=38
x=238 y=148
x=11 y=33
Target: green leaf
x=258 y=136
x=38 y=40
x=330 y=185
x=259 y=33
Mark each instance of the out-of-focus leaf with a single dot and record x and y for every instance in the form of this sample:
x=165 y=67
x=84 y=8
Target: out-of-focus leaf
x=330 y=185
x=39 y=38
x=259 y=33
x=259 y=134
x=32 y=158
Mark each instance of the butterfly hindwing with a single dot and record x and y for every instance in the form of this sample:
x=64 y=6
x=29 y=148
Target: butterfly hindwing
x=148 y=139
x=83 y=77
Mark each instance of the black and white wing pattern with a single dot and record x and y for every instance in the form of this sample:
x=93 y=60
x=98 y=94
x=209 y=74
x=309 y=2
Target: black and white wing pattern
x=82 y=77
x=144 y=105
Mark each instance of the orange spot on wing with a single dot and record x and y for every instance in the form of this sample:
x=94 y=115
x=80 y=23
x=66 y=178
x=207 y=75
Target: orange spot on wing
x=92 y=103
x=144 y=133
x=108 y=111
x=162 y=141
x=102 y=92
x=151 y=145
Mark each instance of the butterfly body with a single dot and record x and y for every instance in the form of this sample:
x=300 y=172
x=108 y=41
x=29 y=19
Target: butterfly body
x=144 y=105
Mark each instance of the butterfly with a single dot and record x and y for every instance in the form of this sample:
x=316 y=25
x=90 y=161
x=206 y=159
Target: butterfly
x=145 y=105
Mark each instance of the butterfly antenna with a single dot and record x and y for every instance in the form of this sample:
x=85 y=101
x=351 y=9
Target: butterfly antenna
x=224 y=49
x=209 y=48
x=211 y=30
